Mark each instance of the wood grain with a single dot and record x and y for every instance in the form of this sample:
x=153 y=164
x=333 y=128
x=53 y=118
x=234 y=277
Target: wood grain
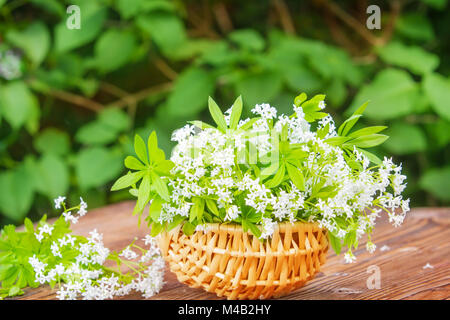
x=423 y=239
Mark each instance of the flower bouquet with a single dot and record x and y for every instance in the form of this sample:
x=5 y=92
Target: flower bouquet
x=247 y=208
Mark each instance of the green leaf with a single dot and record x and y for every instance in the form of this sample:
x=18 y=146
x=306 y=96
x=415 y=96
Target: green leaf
x=247 y=39
x=253 y=228
x=96 y=166
x=129 y=8
x=114 y=118
x=392 y=94
x=212 y=207
x=95 y=133
x=16 y=192
x=92 y=20
x=259 y=87
x=52 y=141
x=415 y=26
x=52 y=176
x=436 y=4
x=160 y=186
x=348 y=124
x=17 y=103
x=140 y=149
x=34 y=40
x=296 y=176
x=372 y=157
x=163 y=167
x=127 y=180
x=405 y=139
x=133 y=163
x=114 y=49
x=143 y=193
x=155 y=154
x=413 y=58
x=156 y=229
x=197 y=209
x=190 y=92
x=437 y=88
x=335 y=243
x=368 y=141
x=165 y=29
x=236 y=112
x=217 y=114
x=155 y=209
x=337 y=141
x=188 y=228
x=29 y=225
x=201 y=125
x=278 y=178
x=437 y=182
x=366 y=131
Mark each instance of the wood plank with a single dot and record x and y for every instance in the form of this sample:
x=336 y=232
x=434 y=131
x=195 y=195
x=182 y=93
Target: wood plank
x=423 y=238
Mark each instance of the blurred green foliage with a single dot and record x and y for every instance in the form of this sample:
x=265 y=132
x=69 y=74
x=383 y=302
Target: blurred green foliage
x=70 y=100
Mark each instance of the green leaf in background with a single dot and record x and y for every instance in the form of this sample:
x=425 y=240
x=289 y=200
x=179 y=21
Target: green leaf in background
x=17 y=103
x=391 y=94
x=52 y=176
x=439 y=132
x=248 y=39
x=96 y=166
x=34 y=40
x=166 y=30
x=92 y=19
x=52 y=140
x=129 y=8
x=405 y=139
x=259 y=87
x=95 y=133
x=190 y=92
x=437 y=181
x=110 y=122
x=414 y=58
x=415 y=26
x=16 y=193
x=52 y=6
x=113 y=49
x=115 y=118
x=437 y=4
x=437 y=88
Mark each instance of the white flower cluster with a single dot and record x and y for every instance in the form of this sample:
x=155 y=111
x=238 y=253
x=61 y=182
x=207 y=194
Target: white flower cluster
x=84 y=274
x=207 y=165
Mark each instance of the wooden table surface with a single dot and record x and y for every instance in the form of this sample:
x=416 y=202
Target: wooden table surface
x=414 y=259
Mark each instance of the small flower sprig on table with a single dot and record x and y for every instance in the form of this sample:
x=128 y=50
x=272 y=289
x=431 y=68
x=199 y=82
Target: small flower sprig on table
x=77 y=265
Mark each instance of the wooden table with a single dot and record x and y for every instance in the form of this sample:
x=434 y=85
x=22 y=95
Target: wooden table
x=414 y=259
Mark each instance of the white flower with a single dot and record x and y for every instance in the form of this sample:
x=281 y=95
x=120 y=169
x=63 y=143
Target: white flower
x=349 y=257
x=59 y=201
x=370 y=246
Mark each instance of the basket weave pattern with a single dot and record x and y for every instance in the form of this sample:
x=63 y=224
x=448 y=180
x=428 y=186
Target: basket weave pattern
x=232 y=263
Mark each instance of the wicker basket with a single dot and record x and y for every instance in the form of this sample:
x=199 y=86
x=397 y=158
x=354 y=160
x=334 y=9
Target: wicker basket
x=232 y=263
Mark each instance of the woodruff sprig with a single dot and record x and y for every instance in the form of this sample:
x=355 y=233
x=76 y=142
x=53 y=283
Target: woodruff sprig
x=269 y=169
x=77 y=265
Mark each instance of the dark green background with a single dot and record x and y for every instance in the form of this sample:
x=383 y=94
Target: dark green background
x=68 y=118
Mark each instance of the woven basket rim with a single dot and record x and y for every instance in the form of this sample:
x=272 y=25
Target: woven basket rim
x=236 y=227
